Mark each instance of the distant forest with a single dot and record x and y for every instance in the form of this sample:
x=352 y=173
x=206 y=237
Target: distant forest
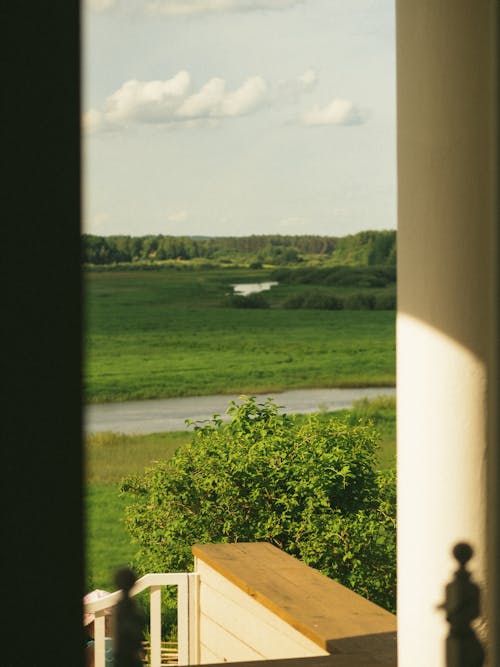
x=368 y=248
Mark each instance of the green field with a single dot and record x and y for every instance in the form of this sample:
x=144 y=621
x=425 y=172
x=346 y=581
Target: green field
x=163 y=333
x=111 y=456
x=170 y=332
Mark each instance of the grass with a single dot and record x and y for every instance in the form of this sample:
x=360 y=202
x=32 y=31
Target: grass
x=112 y=456
x=154 y=334
x=162 y=333
x=109 y=458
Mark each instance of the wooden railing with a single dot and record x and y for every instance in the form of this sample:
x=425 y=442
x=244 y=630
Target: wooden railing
x=157 y=652
x=253 y=602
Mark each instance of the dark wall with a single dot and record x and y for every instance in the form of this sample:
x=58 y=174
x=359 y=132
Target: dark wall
x=42 y=554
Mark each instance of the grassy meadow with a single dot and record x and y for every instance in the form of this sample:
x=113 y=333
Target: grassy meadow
x=165 y=331
x=170 y=332
x=112 y=456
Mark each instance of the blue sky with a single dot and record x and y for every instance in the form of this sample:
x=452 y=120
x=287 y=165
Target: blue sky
x=237 y=117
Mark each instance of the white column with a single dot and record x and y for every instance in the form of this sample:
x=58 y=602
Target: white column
x=447 y=331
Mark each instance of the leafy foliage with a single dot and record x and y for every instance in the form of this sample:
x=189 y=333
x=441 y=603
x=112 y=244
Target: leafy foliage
x=309 y=486
x=338 y=276
x=366 y=248
x=317 y=299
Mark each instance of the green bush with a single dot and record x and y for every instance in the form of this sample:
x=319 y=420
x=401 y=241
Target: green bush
x=385 y=301
x=339 y=276
x=308 y=486
x=314 y=300
x=359 y=301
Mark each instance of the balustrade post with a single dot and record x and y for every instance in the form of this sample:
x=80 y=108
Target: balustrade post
x=462 y=606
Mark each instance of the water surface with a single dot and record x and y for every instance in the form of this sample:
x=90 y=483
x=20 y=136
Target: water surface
x=251 y=288
x=169 y=414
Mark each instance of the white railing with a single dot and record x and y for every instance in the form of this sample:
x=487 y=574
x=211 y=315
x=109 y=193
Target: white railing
x=187 y=612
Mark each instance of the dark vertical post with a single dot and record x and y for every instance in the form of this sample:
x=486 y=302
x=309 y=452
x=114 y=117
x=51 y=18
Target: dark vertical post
x=129 y=624
x=42 y=566
x=462 y=606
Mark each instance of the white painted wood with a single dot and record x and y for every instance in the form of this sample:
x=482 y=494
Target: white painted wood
x=447 y=329
x=99 y=634
x=229 y=647
x=155 y=625
x=206 y=655
x=259 y=627
x=194 y=617
x=183 y=620
x=236 y=613
x=154 y=581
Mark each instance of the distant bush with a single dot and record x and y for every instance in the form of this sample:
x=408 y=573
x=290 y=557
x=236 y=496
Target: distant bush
x=385 y=301
x=308 y=486
x=359 y=301
x=340 y=276
x=314 y=300
x=321 y=300
x=256 y=300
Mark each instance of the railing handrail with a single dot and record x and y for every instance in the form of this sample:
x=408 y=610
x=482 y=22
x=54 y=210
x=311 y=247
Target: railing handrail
x=145 y=582
x=186 y=612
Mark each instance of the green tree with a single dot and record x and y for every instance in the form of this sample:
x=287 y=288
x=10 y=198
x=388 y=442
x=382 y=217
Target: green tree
x=310 y=487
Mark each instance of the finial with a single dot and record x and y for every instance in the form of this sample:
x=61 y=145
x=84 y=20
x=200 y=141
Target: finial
x=461 y=604
x=463 y=552
x=125 y=579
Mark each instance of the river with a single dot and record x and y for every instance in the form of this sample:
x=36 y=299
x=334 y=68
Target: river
x=169 y=414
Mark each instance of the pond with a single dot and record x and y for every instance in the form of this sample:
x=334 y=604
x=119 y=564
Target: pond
x=251 y=288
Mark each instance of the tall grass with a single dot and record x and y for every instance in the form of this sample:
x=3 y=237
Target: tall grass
x=164 y=333
x=111 y=456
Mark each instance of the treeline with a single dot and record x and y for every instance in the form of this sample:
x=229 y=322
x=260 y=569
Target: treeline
x=368 y=248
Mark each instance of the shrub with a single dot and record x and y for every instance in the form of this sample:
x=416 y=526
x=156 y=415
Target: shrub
x=359 y=301
x=314 y=300
x=309 y=486
x=385 y=301
x=339 y=276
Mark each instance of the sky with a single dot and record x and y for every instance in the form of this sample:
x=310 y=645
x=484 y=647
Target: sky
x=238 y=117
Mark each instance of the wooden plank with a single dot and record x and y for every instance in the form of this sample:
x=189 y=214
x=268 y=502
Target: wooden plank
x=207 y=656
x=328 y=613
x=244 y=617
x=218 y=640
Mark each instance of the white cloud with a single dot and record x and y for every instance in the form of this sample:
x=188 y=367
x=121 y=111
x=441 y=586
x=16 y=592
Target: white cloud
x=173 y=101
x=189 y=7
x=337 y=112
x=247 y=98
x=147 y=101
x=92 y=120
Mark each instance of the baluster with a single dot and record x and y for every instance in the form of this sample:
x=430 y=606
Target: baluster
x=129 y=624
x=462 y=599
